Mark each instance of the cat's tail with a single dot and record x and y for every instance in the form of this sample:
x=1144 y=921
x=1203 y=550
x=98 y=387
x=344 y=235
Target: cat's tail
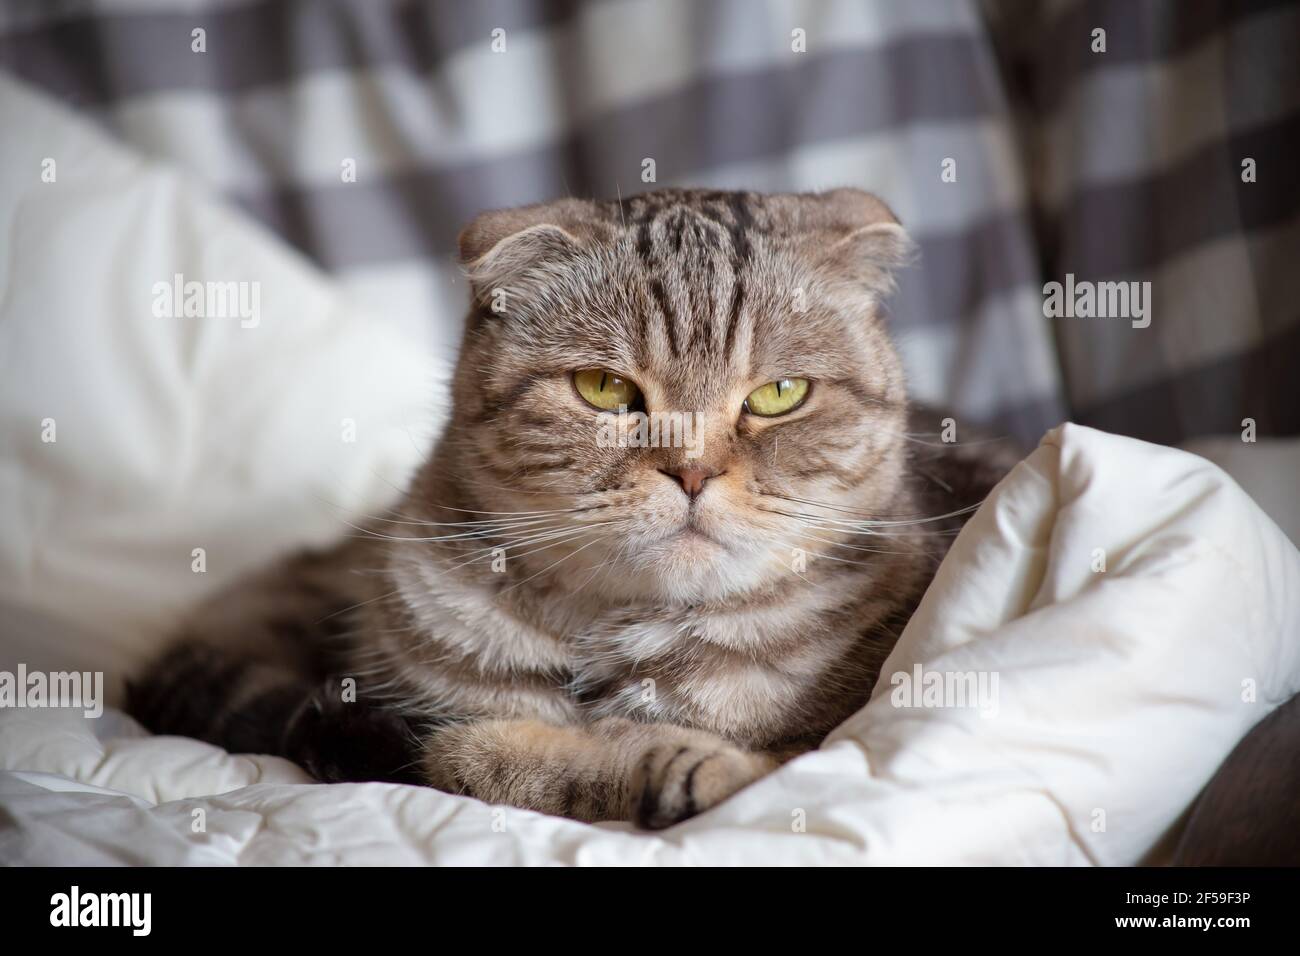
x=247 y=706
x=258 y=670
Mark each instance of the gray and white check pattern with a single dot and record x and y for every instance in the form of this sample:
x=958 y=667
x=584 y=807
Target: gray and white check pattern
x=1116 y=166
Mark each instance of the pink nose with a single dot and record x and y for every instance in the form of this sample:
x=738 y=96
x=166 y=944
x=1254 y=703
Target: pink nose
x=691 y=478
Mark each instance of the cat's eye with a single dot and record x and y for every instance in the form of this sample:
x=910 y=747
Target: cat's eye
x=777 y=398
x=605 y=390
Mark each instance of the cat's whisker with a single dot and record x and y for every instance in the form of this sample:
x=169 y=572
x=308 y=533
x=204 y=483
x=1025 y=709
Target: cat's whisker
x=947 y=445
x=501 y=528
x=480 y=533
x=468 y=522
x=877 y=522
x=829 y=506
x=553 y=511
x=534 y=535
x=957 y=513
x=820 y=521
x=610 y=562
x=830 y=557
x=502 y=531
x=506 y=544
x=404 y=519
x=359 y=604
x=839 y=544
x=854 y=527
x=509 y=489
x=552 y=566
x=551 y=539
x=874 y=533
x=608 y=565
x=789 y=546
x=852 y=547
x=543 y=546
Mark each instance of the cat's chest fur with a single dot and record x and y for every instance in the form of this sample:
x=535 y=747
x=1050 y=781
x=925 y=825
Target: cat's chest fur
x=743 y=672
x=749 y=672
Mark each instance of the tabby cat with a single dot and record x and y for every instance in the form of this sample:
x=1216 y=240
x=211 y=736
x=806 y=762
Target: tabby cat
x=563 y=616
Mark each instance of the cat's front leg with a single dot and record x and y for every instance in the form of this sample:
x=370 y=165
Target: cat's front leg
x=613 y=769
x=560 y=770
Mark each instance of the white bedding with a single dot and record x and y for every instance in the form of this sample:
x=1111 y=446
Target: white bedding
x=1118 y=694
x=1118 y=691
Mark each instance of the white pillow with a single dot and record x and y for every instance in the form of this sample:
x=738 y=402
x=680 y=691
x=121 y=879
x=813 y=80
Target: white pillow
x=170 y=434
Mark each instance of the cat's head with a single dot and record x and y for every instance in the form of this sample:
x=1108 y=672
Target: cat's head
x=741 y=335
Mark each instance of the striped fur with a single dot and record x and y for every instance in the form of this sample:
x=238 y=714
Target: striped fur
x=548 y=622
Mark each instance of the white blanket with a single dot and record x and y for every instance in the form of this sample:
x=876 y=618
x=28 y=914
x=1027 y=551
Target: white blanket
x=1109 y=696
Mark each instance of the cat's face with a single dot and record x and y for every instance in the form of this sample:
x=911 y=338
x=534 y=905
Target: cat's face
x=739 y=332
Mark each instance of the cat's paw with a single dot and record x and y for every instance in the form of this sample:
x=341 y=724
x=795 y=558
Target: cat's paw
x=673 y=782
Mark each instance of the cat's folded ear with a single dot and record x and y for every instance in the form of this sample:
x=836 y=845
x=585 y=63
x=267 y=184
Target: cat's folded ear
x=859 y=240
x=504 y=242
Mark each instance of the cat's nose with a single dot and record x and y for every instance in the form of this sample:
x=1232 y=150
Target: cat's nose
x=691 y=478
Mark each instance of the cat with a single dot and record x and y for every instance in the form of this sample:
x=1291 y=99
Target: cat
x=597 y=629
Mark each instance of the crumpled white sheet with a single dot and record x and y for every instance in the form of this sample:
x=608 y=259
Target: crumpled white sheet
x=1119 y=692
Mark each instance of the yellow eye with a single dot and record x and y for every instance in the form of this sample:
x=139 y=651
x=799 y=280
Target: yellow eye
x=777 y=398
x=604 y=389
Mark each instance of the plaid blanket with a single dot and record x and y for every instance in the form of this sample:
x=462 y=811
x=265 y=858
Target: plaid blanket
x=1016 y=152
